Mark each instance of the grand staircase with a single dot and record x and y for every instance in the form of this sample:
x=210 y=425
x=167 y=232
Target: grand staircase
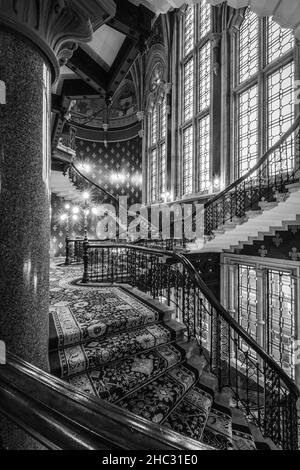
x=256 y=224
x=119 y=345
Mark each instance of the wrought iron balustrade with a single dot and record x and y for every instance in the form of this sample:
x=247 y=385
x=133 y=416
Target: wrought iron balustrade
x=279 y=167
x=74 y=251
x=167 y=244
x=258 y=384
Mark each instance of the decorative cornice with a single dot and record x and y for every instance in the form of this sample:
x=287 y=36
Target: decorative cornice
x=56 y=27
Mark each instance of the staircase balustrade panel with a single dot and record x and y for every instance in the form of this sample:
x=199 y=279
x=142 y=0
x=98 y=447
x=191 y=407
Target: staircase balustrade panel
x=256 y=383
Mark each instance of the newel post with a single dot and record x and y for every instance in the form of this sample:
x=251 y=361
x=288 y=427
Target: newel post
x=86 y=246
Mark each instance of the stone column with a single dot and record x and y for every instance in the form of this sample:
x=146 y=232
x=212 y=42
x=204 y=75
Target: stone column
x=36 y=37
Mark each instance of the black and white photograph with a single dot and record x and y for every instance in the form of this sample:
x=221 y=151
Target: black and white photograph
x=149 y=229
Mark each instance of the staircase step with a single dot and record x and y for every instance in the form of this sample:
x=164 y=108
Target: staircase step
x=260 y=441
x=241 y=433
x=293 y=187
x=77 y=359
x=157 y=400
x=253 y=214
x=218 y=430
x=191 y=414
x=114 y=381
x=266 y=205
x=94 y=313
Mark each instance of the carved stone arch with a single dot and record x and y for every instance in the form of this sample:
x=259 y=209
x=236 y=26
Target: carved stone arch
x=156 y=76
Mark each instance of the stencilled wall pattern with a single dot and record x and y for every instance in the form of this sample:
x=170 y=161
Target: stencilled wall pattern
x=117 y=169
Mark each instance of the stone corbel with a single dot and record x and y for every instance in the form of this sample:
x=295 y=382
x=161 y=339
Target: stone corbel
x=56 y=28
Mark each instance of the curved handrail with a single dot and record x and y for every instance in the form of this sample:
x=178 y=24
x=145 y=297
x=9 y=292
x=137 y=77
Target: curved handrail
x=292 y=129
x=60 y=416
x=216 y=305
x=94 y=184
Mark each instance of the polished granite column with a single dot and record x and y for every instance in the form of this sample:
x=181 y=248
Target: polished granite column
x=36 y=38
x=24 y=199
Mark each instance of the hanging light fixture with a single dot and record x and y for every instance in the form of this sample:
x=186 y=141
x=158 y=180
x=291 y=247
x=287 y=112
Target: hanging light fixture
x=106 y=116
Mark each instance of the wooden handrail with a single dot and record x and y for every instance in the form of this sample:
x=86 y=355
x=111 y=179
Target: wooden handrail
x=61 y=417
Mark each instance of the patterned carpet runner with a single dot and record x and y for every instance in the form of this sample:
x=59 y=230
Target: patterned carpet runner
x=108 y=342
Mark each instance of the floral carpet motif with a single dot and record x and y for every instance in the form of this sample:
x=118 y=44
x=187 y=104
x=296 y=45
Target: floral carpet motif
x=218 y=430
x=94 y=313
x=242 y=438
x=156 y=400
x=190 y=416
x=77 y=359
x=110 y=344
x=113 y=382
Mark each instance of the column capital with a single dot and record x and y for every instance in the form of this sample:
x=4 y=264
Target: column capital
x=56 y=27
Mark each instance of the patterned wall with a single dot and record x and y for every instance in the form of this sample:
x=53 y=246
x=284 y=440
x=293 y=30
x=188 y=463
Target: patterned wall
x=282 y=245
x=122 y=158
x=118 y=169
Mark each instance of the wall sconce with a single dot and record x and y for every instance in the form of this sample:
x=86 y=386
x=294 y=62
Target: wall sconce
x=216 y=183
x=166 y=196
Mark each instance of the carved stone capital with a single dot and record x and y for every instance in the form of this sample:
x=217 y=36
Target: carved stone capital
x=168 y=88
x=56 y=27
x=140 y=115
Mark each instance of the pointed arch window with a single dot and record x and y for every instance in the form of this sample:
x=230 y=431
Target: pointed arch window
x=196 y=71
x=264 y=88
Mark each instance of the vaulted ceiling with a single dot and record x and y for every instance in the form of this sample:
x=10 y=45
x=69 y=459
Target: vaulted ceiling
x=97 y=69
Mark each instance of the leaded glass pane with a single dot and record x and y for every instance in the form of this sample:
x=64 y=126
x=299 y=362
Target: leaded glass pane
x=204 y=18
x=281 y=319
x=163 y=169
x=248 y=130
x=248 y=46
x=248 y=299
x=163 y=119
x=189 y=30
x=279 y=40
x=204 y=76
x=154 y=124
x=188 y=90
x=280 y=86
x=188 y=148
x=204 y=155
x=153 y=176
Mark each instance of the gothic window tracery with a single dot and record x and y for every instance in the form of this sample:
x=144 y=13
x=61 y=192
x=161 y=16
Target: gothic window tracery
x=264 y=88
x=196 y=67
x=157 y=144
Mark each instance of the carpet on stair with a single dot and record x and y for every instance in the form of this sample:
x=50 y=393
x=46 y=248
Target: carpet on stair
x=218 y=430
x=115 y=381
x=242 y=438
x=91 y=313
x=156 y=400
x=190 y=416
x=82 y=357
x=109 y=343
